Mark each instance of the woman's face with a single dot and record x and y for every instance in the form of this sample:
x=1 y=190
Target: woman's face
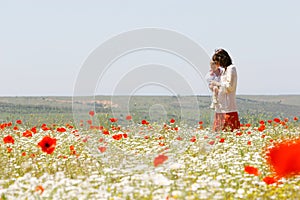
x=217 y=64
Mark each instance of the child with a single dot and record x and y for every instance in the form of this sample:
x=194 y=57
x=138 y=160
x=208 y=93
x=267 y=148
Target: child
x=214 y=75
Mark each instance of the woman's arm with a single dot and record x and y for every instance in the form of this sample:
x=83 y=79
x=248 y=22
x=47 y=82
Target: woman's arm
x=230 y=80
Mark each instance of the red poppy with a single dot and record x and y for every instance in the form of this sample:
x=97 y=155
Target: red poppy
x=193 y=139
x=222 y=140
x=116 y=128
x=69 y=126
x=172 y=121
x=239 y=133
x=92 y=113
x=277 y=120
x=161 y=144
x=9 y=149
x=113 y=120
x=128 y=117
x=283 y=123
x=125 y=135
x=270 y=180
x=105 y=132
x=261 y=128
x=146 y=137
x=295 y=118
x=283 y=158
x=269 y=121
x=23 y=153
x=160 y=160
x=89 y=122
x=145 y=122
x=16 y=128
x=249 y=142
x=261 y=122
x=2 y=126
x=117 y=136
x=179 y=138
x=27 y=133
x=40 y=189
x=47 y=144
x=73 y=152
x=45 y=128
x=251 y=170
x=102 y=149
x=263 y=136
x=33 y=129
x=8 y=139
x=19 y=121
x=61 y=130
x=200 y=122
x=212 y=142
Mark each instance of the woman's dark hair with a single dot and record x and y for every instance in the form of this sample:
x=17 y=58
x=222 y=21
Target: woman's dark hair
x=222 y=57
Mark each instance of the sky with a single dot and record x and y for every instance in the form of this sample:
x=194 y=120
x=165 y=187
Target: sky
x=44 y=44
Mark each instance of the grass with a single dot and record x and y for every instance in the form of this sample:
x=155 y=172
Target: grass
x=131 y=160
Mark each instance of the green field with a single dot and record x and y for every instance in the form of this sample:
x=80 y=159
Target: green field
x=57 y=109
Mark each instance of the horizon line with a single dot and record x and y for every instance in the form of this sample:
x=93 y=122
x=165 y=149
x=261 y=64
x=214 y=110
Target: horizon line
x=150 y=95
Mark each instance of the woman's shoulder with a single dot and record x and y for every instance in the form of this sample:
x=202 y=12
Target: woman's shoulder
x=231 y=67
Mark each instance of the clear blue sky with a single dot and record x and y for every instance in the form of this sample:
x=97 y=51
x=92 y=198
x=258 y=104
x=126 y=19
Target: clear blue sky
x=43 y=44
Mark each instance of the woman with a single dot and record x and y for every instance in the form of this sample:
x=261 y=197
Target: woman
x=226 y=116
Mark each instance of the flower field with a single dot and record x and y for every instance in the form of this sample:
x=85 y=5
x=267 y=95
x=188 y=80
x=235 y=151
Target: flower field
x=149 y=161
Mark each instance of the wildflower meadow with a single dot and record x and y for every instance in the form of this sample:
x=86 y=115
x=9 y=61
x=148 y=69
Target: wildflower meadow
x=149 y=160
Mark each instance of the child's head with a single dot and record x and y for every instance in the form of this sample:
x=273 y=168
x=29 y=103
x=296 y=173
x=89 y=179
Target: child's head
x=213 y=66
x=222 y=58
